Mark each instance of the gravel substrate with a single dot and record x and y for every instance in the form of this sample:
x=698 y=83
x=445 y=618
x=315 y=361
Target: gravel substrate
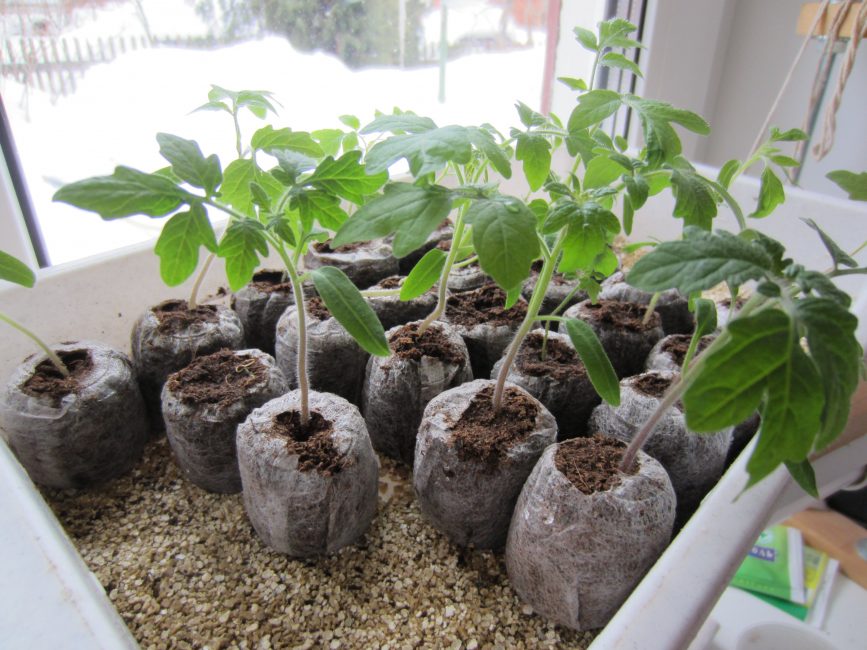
x=185 y=570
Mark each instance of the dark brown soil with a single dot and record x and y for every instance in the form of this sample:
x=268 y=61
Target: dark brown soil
x=174 y=316
x=270 y=281
x=591 y=464
x=651 y=384
x=323 y=247
x=677 y=345
x=407 y=344
x=561 y=361
x=49 y=381
x=317 y=309
x=486 y=437
x=444 y=244
x=392 y=282
x=312 y=443
x=484 y=305
x=626 y=315
x=220 y=378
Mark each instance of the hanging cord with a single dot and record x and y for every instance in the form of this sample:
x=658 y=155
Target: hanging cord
x=821 y=149
x=761 y=134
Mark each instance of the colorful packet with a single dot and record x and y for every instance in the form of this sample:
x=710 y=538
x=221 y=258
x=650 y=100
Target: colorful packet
x=775 y=565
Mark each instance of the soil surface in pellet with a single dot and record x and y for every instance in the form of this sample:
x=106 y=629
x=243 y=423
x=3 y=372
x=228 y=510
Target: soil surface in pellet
x=317 y=309
x=486 y=304
x=561 y=362
x=407 y=344
x=391 y=282
x=47 y=380
x=486 y=437
x=175 y=316
x=651 y=384
x=220 y=378
x=311 y=442
x=621 y=314
x=677 y=346
x=185 y=570
x=557 y=278
x=590 y=464
x=271 y=282
x=323 y=247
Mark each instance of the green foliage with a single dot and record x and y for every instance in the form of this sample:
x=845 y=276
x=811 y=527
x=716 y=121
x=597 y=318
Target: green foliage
x=855 y=185
x=14 y=270
x=535 y=152
x=179 y=242
x=599 y=369
x=424 y=274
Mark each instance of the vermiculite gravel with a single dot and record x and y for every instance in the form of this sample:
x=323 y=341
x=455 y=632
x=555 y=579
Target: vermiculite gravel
x=185 y=570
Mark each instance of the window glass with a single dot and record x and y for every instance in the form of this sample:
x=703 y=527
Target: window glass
x=88 y=83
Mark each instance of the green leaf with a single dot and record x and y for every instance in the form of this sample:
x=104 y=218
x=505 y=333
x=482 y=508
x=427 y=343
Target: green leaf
x=316 y=206
x=424 y=274
x=637 y=188
x=529 y=117
x=628 y=215
x=214 y=106
x=293 y=163
x=281 y=226
x=269 y=139
x=513 y=295
x=855 y=185
x=695 y=198
x=241 y=245
x=699 y=262
x=351 y=121
x=504 y=236
x=804 y=476
x=792 y=135
x=790 y=415
x=351 y=310
x=601 y=171
x=236 y=184
x=189 y=164
x=593 y=107
x=831 y=339
x=785 y=161
x=484 y=142
x=663 y=143
x=617 y=60
x=14 y=270
x=840 y=257
x=403 y=123
x=612 y=33
x=599 y=369
x=771 y=194
x=586 y=38
x=260 y=196
x=256 y=101
x=179 y=241
x=705 y=317
x=347 y=177
x=329 y=140
x=124 y=193
x=539 y=207
x=426 y=152
x=535 y=152
x=573 y=83
x=409 y=211
x=727 y=172
x=734 y=376
x=591 y=227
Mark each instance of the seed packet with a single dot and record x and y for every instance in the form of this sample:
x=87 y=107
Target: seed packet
x=775 y=566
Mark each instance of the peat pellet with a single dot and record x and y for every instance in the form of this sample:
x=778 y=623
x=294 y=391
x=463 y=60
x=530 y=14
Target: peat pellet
x=78 y=431
x=470 y=463
x=393 y=311
x=559 y=381
x=741 y=436
x=308 y=490
x=487 y=326
x=204 y=403
x=670 y=351
x=364 y=263
x=397 y=388
x=168 y=336
x=467 y=278
x=574 y=553
x=335 y=362
x=442 y=235
x=694 y=461
x=260 y=304
x=672 y=306
x=559 y=289
x=621 y=329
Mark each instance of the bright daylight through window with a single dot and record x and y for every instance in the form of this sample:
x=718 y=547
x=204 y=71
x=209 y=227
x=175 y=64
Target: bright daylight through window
x=86 y=83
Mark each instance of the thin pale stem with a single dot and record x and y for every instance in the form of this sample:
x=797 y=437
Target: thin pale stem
x=650 y=308
x=192 y=303
x=51 y=354
x=380 y=293
x=467 y=262
x=443 y=288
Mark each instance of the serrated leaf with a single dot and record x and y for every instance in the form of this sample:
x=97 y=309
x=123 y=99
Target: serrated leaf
x=316 y=206
x=586 y=38
x=14 y=270
x=792 y=135
x=591 y=228
x=727 y=172
x=699 y=262
x=771 y=194
x=573 y=83
x=260 y=196
x=613 y=33
x=269 y=139
x=351 y=310
x=593 y=107
x=637 y=188
x=293 y=163
x=347 y=177
x=804 y=476
x=236 y=185
x=840 y=257
x=695 y=200
x=534 y=151
x=124 y=193
x=256 y=101
x=214 y=106
x=424 y=274
x=403 y=123
x=855 y=185
x=734 y=376
x=663 y=143
x=426 y=152
x=617 y=60
x=580 y=143
x=179 y=241
x=410 y=212
x=602 y=171
x=504 y=236
x=189 y=164
x=242 y=244
x=351 y=121
x=599 y=369
x=329 y=139
x=281 y=226
x=822 y=285
x=528 y=116
x=484 y=142
x=835 y=350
